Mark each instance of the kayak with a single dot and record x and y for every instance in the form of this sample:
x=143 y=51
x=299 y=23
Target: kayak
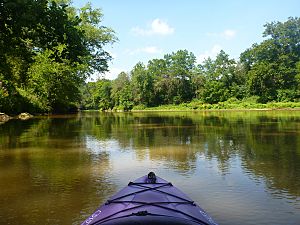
x=149 y=200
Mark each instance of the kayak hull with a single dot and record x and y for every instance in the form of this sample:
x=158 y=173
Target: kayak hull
x=149 y=201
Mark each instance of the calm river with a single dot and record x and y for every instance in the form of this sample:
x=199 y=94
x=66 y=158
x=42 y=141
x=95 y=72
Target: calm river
x=241 y=167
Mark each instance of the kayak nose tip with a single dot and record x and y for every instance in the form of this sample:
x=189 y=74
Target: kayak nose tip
x=151 y=177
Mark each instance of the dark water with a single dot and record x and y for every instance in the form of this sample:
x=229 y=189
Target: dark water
x=241 y=167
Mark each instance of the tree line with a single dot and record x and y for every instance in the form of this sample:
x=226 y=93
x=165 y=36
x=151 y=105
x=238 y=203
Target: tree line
x=47 y=50
x=268 y=71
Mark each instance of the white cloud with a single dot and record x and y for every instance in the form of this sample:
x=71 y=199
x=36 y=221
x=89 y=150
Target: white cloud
x=160 y=27
x=229 y=34
x=212 y=53
x=148 y=50
x=157 y=27
x=152 y=50
x=139 y=31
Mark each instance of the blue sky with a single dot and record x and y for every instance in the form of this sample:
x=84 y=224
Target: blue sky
x=148 y=29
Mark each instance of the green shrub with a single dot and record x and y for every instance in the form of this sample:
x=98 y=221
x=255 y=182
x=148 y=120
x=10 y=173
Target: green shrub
x=139 y=107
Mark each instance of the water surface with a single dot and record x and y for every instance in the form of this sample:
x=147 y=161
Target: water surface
x=241 y=167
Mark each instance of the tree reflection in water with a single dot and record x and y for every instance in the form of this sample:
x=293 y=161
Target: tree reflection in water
x=75 y=162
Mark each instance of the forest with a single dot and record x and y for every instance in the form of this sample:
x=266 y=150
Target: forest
x=267 y=72
x=50 y=48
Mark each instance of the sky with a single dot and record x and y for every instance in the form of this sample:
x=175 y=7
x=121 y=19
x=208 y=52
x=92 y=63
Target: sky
x=148 y=29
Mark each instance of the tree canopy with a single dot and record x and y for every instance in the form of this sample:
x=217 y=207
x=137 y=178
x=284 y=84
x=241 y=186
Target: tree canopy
x=267 y=71
x=272 y=65
x=48 y=48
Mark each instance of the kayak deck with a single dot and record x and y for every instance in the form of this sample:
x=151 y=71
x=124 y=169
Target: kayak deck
x=149 y=200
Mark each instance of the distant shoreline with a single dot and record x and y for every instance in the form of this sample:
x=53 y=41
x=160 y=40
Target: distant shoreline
x=185 y=107
x=176 y=108
x=240 y=106
x=209 y=110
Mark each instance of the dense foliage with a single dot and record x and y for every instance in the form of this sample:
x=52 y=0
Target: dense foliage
x=266 y=72
x=273 y=66
x=48 y=48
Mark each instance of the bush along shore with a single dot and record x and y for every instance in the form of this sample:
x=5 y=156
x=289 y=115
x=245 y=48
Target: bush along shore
x=195 y=105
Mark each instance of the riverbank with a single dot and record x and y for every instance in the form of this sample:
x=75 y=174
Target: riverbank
x=194 y=106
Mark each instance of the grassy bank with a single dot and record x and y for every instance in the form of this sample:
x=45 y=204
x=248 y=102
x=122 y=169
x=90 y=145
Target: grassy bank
x=230 y=104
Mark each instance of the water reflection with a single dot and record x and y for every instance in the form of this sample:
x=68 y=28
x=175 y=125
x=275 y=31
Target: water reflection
x=272 y=138
x=246 y=163
x=46 y=175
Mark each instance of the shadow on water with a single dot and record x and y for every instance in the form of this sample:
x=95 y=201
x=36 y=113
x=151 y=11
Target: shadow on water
x=47 y=176
x=58 y=170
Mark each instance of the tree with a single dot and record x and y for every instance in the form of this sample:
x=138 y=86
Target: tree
x=102 y=94
x=71 y=40
x=172 y=77
x=88 y=91
x=221 y=80
x=157 y=69
x=53 y=86
x=181 y=64
x=142 y=85
x=214 y=92
x=95 y=38
x=271 y=65
x=121 y=92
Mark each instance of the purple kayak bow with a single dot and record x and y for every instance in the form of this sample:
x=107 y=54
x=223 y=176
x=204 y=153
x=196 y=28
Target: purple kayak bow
x=149 y=200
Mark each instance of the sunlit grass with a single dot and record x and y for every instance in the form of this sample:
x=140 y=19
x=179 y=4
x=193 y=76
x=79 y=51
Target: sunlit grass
x=230 y=104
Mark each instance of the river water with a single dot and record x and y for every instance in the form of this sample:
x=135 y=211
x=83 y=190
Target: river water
x=241 y=167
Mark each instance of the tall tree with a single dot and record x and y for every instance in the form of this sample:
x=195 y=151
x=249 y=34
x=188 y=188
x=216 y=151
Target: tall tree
x=121 y=92
x=181 y=64
x=271 y=64
x=142 y=85
x=157 y=69
x=48 y=33
x=102 y=94
x=220 y=79
x=172 y=76
x=53 y=86
x=88 y=91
